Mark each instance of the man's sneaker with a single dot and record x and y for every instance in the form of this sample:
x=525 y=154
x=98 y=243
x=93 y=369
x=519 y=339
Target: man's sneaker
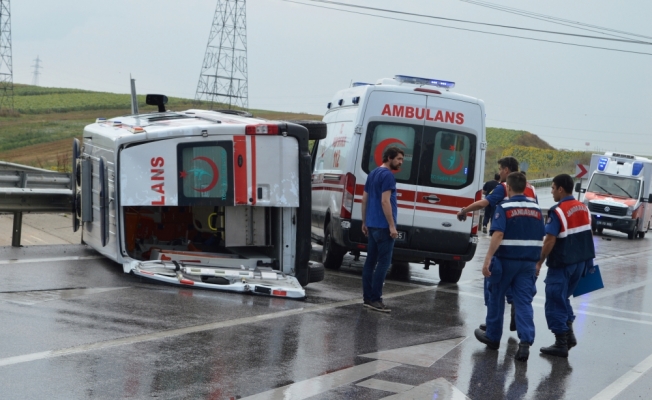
x=378 y=306
x=484 y=229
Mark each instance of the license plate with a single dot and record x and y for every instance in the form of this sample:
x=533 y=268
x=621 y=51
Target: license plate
x=604 y=223
x=401 y=236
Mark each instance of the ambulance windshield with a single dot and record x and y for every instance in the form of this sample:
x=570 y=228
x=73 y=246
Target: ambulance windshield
x=613 y=185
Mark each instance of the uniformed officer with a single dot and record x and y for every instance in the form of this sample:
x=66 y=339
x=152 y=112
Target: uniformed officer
x=568 y=245
x=516 y=238
x=507 y=166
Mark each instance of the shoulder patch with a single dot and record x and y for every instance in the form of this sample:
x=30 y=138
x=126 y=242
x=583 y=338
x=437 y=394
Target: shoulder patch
x=497 y=215
x=548 y=220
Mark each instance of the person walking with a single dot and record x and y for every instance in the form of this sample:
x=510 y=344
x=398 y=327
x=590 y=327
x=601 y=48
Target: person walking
x=488 y=210
x=507 y=165
x=379 y=221
x=568 y=247
x=517 y=232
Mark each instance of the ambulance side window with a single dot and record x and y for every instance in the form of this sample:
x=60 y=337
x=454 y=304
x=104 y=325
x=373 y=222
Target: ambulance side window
x=448 y=159
x=380 y=136
x=204 y=173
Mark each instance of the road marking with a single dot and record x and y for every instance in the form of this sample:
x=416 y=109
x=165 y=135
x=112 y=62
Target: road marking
x=600 y=294
x=439 y=388
x=53 y=259
x=192 y=329
x=386 y=386
x=624 y=381
x=421 y=355
x=321 y=384
x=34 y=237
x=39 y=296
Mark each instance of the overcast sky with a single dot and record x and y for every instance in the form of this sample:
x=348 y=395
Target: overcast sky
x=299 y=56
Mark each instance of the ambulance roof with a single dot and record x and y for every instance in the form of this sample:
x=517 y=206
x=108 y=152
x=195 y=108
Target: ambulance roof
x=129 y=128
x=347 y=97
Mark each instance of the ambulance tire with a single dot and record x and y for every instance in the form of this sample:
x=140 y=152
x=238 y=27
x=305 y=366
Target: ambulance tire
x=631 y=235
x=641 y=235
x=316 y=129
x=332 y=254
x=450 y=271
x=599 y=230
x=315 y=272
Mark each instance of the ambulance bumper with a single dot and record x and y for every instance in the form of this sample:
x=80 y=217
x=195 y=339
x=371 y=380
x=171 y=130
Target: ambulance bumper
x=348 y=234
x=617 y=224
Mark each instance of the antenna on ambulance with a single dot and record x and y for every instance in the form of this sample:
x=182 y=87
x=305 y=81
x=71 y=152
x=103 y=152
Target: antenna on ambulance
x=134 y=99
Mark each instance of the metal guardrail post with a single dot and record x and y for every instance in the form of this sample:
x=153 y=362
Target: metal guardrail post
x=18 y=216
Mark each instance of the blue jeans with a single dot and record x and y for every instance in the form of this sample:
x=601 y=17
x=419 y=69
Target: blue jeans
x=520 y=276
x=560 y=284
x=379 y=255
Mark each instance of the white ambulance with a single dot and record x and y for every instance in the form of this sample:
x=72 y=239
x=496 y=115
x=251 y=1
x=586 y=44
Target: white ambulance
x=443 y=136
x=204 y=199
x=618 y=194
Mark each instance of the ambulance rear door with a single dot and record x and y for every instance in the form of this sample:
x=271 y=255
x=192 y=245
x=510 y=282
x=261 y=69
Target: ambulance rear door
x=390 y=120
x=450 y=174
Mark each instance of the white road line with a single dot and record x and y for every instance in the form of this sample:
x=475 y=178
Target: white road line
x=53 y=259
x=191 y=329
x=34 y=237
x=386 y=386
x=624 y=381
x=321 y=384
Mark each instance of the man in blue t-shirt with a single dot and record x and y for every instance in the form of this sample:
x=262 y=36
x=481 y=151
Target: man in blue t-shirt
x=379 y=212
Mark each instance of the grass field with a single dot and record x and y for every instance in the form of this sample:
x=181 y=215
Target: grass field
x=45 y=120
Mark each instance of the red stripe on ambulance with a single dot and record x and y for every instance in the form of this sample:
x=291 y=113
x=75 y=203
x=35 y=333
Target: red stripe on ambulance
x=240 y=169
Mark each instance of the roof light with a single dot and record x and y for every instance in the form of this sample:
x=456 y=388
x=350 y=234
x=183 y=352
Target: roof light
x=427 y=90
x=339 y=103
x=100 y=120
x=117 y=123
x=328 y=106
x=356 y=100
x=267 y=129
x=602 y=163
x=356 y=84
x=637 y=167
x=136 y=129
x=424 y=81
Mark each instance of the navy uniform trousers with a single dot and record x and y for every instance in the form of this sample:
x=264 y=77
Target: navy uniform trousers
x=520 y=277
x=560 y=284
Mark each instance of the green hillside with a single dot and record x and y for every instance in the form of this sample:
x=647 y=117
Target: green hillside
x=44 y=121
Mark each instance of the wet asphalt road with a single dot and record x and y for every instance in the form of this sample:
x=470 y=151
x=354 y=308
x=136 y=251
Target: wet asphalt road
x=75 y=327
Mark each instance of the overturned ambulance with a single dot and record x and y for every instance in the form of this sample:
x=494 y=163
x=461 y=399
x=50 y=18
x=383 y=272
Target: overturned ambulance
x=208 y=199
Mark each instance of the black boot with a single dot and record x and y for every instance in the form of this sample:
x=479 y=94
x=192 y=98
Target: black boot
x=523 y=351
x=482 y=336
x=512 y=321
x=483 y=327
x=559 y=349
x=571 y=340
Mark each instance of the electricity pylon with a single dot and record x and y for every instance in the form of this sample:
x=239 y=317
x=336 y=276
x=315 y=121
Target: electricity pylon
x=36 y=73
x=223 y=76
x=6 y=69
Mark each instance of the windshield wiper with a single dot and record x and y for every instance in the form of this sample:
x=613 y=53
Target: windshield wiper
x=605 y=190
x=619 y=187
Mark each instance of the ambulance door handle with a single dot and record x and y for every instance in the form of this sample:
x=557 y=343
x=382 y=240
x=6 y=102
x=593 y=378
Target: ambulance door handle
x=432 y=198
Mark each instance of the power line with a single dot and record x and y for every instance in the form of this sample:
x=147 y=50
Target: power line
x=469 y=30
x=478 y=23
x=548 y=18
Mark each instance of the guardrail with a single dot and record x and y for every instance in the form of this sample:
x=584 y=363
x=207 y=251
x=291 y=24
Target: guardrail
x=27 y=189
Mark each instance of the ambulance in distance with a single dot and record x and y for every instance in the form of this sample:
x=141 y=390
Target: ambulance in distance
x=204 y=199
x=443 y=137
x=618 y=194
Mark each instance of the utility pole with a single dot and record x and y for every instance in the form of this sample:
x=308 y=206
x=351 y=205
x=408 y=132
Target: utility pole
x=36 y=67
x=6 y=69
x=223 y=76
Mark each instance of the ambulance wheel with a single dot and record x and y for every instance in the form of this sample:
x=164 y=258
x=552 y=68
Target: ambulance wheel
x=641 y=235
x=450 y=271
x=315 y=272
x=599 y=230
x=316 y=129
x=631 y=235
x=332 y=254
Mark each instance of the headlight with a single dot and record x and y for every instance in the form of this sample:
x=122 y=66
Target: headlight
x=630 y=210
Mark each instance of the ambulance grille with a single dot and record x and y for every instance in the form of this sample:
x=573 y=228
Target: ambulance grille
x=608 y=210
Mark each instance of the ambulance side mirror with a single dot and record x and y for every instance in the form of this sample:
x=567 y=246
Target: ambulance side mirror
x=578 y=188
x=157 y=100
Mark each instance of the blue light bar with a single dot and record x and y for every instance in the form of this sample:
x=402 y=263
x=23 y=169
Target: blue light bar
x=356 y=84
x=424 y=81
x=637 y=168
x=602 y=163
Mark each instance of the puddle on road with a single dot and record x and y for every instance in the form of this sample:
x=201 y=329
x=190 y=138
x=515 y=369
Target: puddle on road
x=40 y=296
